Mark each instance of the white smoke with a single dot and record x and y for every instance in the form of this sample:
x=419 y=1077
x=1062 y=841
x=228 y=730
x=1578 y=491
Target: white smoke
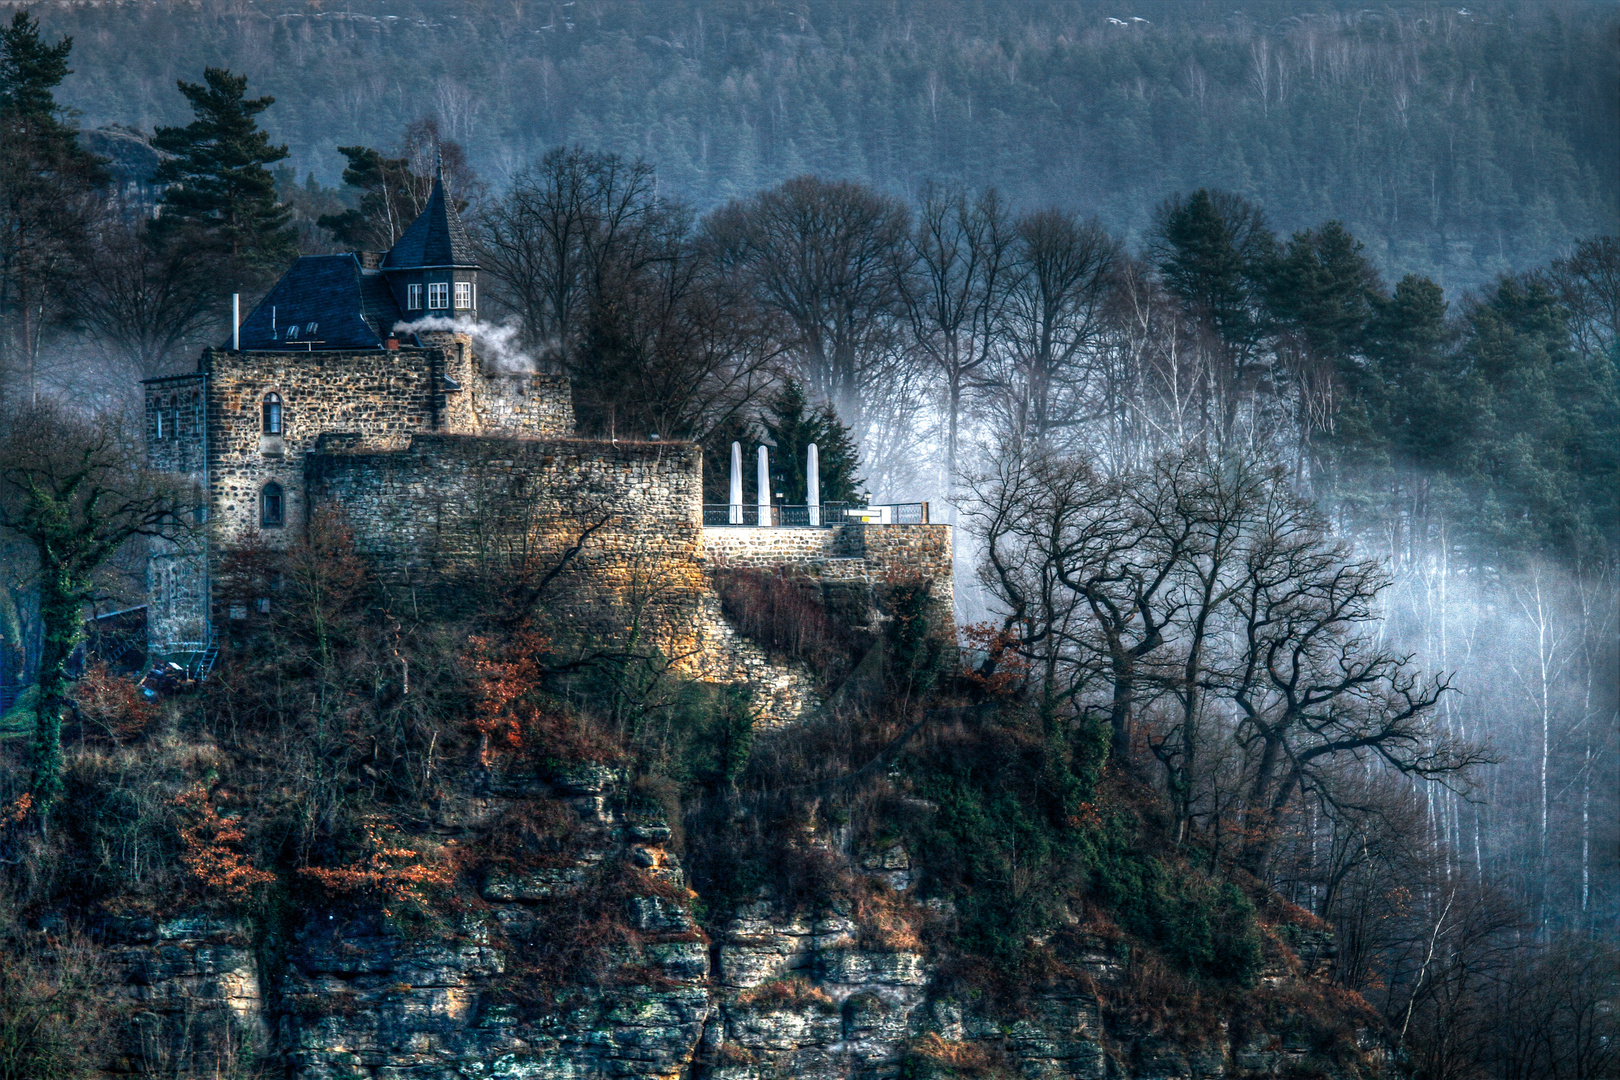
x=496 y=343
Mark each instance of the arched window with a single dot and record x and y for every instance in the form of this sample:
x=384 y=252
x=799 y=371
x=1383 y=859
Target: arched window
x=272 y=414
x=272 y=506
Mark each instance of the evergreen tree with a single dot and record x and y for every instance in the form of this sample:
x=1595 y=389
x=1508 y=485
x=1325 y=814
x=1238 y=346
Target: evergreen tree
x=46 y=195
x=30 y=70
x=223 y=191
x=1542 y=462
x=387 y=195
x=792 y=424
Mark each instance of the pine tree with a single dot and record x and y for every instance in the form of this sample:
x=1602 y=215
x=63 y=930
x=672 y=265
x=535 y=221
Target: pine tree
x=387 y=200
x=47 y=201
x=29 y=71
x=792 y=424
x=223 y=192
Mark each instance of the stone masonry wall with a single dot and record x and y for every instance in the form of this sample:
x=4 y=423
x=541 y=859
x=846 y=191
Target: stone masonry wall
x=174 y=424
x=461 y=520
x=496 y=402
x=384 y=397
x=872 y=554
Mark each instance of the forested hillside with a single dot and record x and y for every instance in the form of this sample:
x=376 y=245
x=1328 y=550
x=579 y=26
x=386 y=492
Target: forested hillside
x=1263 y=369
x=1455 y=142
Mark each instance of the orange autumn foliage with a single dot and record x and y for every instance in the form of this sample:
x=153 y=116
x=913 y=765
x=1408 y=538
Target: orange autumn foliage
x=17 y=809
x=388 y=872
x=504 y=679
x=512 y=713
x=1007 y=667
x=111 y=707
x=210 y=848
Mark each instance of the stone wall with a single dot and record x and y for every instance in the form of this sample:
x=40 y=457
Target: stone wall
x=875 y=555
x=461 y=520
x=175 y=424
x=176 y=573
x=492 y=402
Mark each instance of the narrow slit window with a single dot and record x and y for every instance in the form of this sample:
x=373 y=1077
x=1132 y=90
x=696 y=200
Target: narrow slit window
x=438 y=295
x=272 y=506
x=464 y=295
x=160 y=425
x=413 y=298
x=272 y=414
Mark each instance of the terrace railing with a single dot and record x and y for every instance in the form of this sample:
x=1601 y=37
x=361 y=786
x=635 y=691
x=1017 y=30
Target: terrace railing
x=719 y=515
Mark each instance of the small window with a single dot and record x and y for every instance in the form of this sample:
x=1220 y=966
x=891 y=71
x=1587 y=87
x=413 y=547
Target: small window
x=272 y=414
x=438 y=295
x=464 y=295
x=314 y=326
x=160 y=424
x=272 y=506
x=264 y=605
x=413 y=298
x=292 y=332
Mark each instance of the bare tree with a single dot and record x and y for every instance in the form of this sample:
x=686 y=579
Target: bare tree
x=142 y=302
x=1310 y=678
x=1063 y=267
x=569 y=222
x=956 y=293
x=826 y=255
x=1588 y=283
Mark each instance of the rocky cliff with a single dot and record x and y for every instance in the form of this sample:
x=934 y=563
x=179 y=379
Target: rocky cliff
x=766 y=990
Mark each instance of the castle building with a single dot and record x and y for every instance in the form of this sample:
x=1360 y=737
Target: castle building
x=354 y=387
x=361 y=348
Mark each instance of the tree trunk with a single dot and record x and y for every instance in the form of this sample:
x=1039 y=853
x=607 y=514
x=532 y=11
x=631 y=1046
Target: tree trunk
x=59 y=603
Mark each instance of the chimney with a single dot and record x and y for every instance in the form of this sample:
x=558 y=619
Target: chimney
x=391 y=344
x=370 y=260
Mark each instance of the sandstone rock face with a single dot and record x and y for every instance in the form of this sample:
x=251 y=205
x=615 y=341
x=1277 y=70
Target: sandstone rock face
x=765 y=994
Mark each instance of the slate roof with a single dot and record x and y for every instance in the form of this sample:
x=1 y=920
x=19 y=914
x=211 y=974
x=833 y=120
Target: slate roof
x=436 y=238
x=349 y=309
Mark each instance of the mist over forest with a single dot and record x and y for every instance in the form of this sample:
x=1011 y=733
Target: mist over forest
x=1220 y=332
x=1458 y=146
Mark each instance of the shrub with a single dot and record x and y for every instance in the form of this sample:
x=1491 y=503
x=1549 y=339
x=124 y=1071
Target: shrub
x=210 y=848
x=387 y=871
x=785 y=614
x=50 y=1016
x=934 y=1058
x=110 y=708
x=792 y=993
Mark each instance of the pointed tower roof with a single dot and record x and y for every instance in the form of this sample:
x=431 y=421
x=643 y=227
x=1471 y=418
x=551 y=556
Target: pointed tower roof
x=436 y=238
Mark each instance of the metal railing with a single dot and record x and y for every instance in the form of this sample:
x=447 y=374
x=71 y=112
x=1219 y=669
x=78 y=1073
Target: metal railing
x=719 y=515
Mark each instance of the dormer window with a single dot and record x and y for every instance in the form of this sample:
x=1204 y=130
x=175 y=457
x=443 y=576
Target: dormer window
x=292 y=332
x=438 y=295
x=272 y=506
x=413 y=297
x=464 y=295
x=272 y=414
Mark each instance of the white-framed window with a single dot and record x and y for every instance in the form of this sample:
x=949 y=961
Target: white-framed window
x=464 y=295
x=438 y=295
x=413 y=298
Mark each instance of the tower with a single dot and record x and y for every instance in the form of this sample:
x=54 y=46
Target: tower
x=431 y=269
